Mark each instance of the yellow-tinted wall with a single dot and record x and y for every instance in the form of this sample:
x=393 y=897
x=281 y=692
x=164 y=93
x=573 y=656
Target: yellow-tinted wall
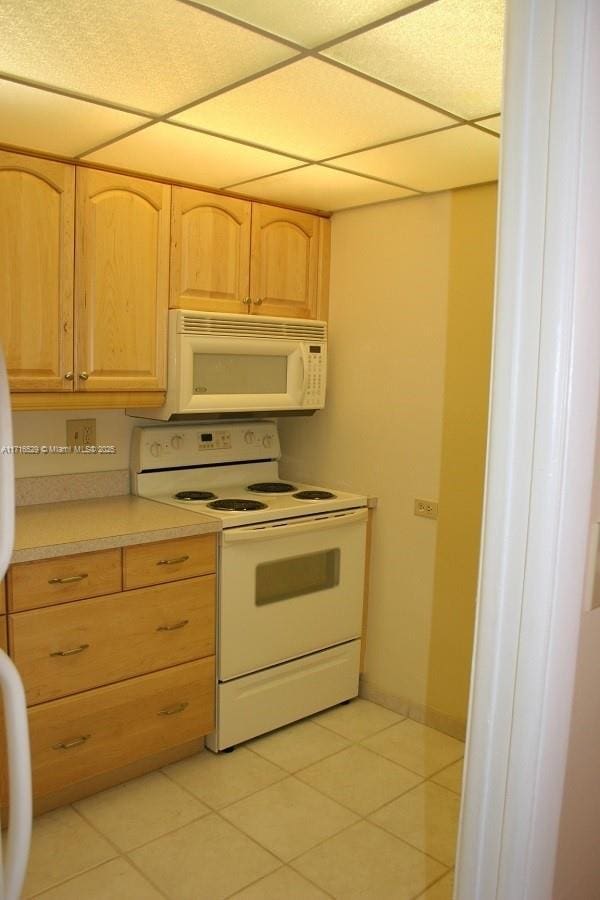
x=464 y=435
x=411 y=296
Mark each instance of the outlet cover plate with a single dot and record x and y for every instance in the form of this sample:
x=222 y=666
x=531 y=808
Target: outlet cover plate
x=81 y=432
x=426 y=508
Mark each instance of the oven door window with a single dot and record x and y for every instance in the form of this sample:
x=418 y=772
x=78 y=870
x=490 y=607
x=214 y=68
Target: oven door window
x=239 y=373
x=296 y=576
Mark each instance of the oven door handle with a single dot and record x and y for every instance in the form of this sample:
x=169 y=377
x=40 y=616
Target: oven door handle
x=286 y=529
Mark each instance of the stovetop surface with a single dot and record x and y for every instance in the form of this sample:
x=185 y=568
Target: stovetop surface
x=226 y=484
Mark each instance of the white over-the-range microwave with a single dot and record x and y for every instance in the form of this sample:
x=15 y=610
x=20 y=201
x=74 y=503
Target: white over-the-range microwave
x=227 y=364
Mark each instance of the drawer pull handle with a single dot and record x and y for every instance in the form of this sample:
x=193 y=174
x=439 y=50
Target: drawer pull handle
x=171 y=710
x=68 y=579
x=174 y=627
x=70 y=652
x=76 y=742
x=172 y=561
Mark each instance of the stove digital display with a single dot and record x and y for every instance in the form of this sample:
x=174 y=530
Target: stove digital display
x=206 y=437
x=314 y=348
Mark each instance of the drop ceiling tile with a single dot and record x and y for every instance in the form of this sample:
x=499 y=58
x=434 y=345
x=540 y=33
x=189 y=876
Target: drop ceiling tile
x=321 y=188
x=143 y=54
x=313 y=109
x=434 y=162
x=310 y=22
x=171 y=152
x=448 y=53
x=494 y=124
x=40 y=120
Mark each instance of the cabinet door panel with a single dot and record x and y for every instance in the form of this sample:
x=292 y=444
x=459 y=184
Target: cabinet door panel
x=36 y=276
x=284 y=262
x=121 y=282
x=210 y=251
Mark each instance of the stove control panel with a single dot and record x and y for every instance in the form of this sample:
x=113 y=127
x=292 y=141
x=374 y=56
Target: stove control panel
x=214 y=440
x=170 y=446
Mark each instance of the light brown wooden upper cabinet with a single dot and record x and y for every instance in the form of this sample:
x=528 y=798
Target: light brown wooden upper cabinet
x=232 y=255
x=210 y=251
x=284 y=267
x=121 y=282
x=36 y=272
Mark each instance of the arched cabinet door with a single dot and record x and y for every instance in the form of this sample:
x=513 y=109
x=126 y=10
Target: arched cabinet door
x=284 y=265
x=210 y=251
x=36 y=273
x=121 y=282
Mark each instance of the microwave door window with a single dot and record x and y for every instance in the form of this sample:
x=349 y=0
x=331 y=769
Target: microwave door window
x=238 y=373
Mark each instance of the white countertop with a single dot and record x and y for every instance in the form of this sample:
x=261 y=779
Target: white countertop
x=81 y=526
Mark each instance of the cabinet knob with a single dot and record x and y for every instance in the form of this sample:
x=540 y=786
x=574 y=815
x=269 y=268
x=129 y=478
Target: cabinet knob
x=247 y=301
x=84 y=376
x=258 y=301
x=69 y=376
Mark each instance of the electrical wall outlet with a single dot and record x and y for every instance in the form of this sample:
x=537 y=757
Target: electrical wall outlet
x=426 y=508
x=81 y=432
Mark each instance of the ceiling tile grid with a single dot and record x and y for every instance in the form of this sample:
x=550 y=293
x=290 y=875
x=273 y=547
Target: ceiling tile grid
x=435 y=162
x=256 y=94
x=322 y=188
x=181 y=154
x=313 y=109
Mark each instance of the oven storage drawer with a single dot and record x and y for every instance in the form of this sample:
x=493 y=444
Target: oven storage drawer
x=290 y=588
x=63 y=579
x=108 y=728
x=259 y=703
x=77 y=646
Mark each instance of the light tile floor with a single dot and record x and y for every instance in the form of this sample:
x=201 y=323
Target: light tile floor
x=355 y=802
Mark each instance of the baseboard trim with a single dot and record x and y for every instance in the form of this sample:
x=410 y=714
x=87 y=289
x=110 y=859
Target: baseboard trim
x=426 y=715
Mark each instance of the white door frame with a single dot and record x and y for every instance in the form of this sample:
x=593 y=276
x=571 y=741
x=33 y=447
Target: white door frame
x=543 y=418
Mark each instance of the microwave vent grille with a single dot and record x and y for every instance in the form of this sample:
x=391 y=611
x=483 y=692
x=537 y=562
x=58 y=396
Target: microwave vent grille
x=253 y=326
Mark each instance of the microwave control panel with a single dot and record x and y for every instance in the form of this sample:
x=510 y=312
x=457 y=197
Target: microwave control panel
x=315 y=376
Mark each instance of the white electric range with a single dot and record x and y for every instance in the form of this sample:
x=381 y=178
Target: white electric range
x=291 y=570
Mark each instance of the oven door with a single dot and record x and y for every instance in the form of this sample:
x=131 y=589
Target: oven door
x=289 y=588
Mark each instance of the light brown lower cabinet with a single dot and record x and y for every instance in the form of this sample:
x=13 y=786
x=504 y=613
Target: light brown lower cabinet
x=117 y=684
x=102 y=730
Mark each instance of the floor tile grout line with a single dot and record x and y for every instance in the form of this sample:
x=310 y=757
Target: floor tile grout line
x=123 y=852
x=433 y=884
x=71 y=878
x=412 y=846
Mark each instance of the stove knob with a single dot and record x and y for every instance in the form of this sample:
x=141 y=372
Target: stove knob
x=176 y=441
x=155 y=448
x=268 y=441
x=249 y=437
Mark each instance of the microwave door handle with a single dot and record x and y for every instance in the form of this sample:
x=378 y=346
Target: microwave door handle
x=304 y=357
x=287 y=529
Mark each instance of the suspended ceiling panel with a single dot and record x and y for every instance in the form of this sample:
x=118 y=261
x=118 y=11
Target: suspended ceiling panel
x=313 y=109
x=322 y=188
x=435 y=162
x=171 y=152
x=50 y=122
x=448 y=53
x=494 y=124
x=147 y=55
x=309 y=22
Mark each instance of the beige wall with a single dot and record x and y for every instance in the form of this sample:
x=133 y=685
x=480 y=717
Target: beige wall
x=113 y=427
x=382 y=432
x=464 y=436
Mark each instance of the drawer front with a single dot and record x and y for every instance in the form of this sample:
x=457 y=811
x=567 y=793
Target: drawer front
x=92 y=733
x=168 y=561
x=49 y=581
x=79 y=646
